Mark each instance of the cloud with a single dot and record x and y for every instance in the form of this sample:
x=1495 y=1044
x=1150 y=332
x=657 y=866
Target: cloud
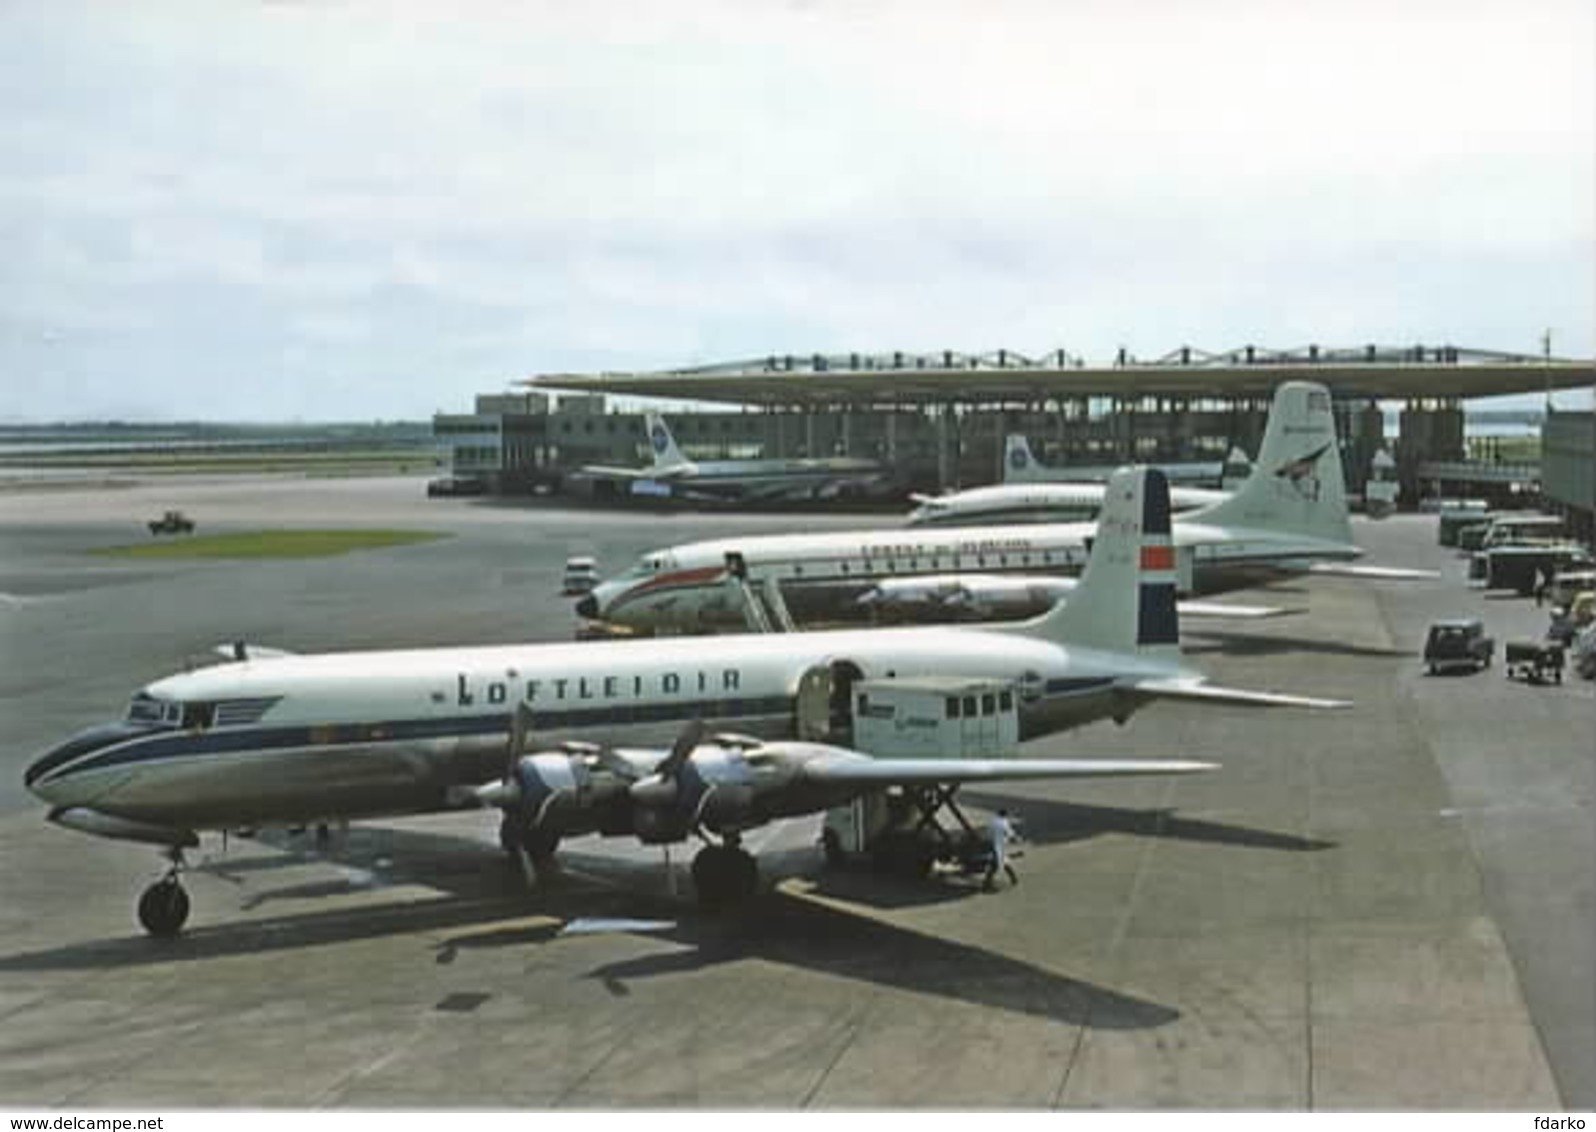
x=425 y=204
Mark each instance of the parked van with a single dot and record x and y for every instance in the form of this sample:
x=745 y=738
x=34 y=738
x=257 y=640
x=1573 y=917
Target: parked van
x=581 y=575
x=1520 y=530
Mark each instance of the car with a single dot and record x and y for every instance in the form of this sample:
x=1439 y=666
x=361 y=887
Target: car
x=1569 y=584
x=1459 y=642
x=581 y=575
x=456 y=485
x=172 y=523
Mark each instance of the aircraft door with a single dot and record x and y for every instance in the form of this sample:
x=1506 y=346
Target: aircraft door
x=814 y=705
x=825 y=702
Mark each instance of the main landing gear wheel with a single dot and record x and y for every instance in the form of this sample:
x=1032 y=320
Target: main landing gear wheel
x=530 y=850
x=163 y=909
x=724 y=875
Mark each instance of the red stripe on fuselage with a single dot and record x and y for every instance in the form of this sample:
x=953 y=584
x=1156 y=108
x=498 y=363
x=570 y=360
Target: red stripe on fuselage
x=1158 y=558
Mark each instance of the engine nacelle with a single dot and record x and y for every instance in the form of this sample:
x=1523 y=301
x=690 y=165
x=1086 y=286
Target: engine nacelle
x=552 y=789
x=714 y=788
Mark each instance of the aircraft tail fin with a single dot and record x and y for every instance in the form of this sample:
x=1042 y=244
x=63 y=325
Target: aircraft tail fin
x=1125 y=600
x=1019 y=462
x=662 y=445
x=1296 y=485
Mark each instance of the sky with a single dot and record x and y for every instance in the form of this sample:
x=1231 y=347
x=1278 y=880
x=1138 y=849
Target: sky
x=349 y=210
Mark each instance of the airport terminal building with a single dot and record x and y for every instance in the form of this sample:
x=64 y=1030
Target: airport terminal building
x=940 y=418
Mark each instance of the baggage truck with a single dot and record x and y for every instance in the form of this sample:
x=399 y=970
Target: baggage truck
x=1520 y=567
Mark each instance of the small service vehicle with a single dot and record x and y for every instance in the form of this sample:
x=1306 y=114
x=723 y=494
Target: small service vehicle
x=1458 y=643
x=1569 y=584
x=455 y=485
x=172 y=523
x=1534 y=662
x=581 y=575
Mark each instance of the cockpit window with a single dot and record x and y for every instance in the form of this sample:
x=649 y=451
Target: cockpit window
x=152 y=710
x=644 y=567
x=147 y=709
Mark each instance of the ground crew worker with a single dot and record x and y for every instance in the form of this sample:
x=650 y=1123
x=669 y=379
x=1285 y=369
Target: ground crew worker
x=1000 y=831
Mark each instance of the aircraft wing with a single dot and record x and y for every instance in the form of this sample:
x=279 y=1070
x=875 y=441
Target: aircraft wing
x=1212 y=693
x=841 y=769
x=663 y=474
x=1372 y=573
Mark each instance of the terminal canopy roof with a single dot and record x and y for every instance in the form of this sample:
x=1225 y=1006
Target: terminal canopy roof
x=944 y=377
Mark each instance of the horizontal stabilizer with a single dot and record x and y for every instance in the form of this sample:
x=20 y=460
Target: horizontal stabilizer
x=244 y=650
x=1226 y=609
x=1195 y=689
x=1372 y=573
x=843 y=768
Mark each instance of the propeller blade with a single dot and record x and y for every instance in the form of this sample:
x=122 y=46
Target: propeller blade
x=520 y=729
x=692 y=735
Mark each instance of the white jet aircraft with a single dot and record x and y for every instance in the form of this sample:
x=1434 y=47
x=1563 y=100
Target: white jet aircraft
x=285 y=739
x=1034 y=503
x=1289 y=516
x=672 y=474
x=1020 y=466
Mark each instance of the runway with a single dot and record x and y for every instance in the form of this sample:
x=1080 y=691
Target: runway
x=1388 y=907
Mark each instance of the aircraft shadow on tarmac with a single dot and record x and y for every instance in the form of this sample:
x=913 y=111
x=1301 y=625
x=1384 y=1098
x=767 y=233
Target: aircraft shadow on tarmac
x=1048 y=822
x=1197 y=641
x=484 y=902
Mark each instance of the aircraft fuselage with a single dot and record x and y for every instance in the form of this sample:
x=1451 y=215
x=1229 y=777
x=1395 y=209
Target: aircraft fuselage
x=308 y=738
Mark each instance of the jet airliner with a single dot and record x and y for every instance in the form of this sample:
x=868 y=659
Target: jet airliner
x=671 y=473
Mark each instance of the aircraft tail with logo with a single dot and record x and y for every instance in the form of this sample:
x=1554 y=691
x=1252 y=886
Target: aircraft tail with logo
x=1296 y=486
x=662 y=445
x=1125 y=600
x=1019 y=462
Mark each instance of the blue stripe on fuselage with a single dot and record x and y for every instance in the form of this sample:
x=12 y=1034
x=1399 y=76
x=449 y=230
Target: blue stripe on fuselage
x=1155 y=503
x=76 y=756
x=175 y=745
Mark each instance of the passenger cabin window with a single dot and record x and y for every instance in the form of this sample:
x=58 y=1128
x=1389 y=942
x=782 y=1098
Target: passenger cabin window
x=969 y=706
x=197 y=716
x=988 y=703
x=953 y=707
x=1005 y=701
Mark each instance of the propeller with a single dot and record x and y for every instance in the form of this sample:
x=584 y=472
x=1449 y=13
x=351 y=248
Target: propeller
x=681 y=750
x=663 y=786
x=697 y=785
x=507 y=791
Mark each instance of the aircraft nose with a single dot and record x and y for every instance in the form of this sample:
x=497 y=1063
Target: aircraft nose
x=44 y=777
x=588 y=607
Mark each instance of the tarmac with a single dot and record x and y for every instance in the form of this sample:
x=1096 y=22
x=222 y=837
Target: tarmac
x=1388 y=907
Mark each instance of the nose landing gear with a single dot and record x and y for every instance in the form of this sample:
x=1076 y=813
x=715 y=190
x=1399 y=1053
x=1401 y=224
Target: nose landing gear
x=163 y=908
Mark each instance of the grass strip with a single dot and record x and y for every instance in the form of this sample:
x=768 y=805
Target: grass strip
x=268 y=544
